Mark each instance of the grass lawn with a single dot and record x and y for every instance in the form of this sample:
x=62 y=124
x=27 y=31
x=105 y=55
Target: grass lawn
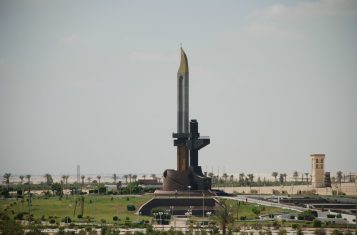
x=98 y=207
x=246 y=209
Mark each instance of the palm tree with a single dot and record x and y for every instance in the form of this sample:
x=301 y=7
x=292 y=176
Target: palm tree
x=89 y=179
x=7 y=179
x=21 y=179
x=284 y=175
x=339 y=178
x=134 y=177
x=130 y=176
x=225 y=176
x=82 y=178
x=250 y=177
x=126 y=178
x=99 y=177
x=48 y=178
x=115 y=178
x=64 y=178
x=153 y=176
x=231 y=179
x=295 y=175
x=241 y=179
x=281 y=178
x=144 y=176
x=274 y=174
x=224 y=216
x=28 y=177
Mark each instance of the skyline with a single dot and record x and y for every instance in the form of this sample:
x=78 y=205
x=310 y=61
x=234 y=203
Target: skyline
x=95 y=84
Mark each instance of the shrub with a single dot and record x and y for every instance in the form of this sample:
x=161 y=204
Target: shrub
x=331 y=216
x=52 y=221
x=115 y=218
x=294 y=226
x=256 y=210
x=307 y=215
x=316 y=223
x=282 y=232
x=320 y=232
x=336 y=232
x=80 y=216
x=243 y=217
x=130 y=207
x=19 y=216
x=339 y=216
x=67 y=219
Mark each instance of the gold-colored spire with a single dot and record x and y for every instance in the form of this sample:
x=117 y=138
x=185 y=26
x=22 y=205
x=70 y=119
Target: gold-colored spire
x=184 y=63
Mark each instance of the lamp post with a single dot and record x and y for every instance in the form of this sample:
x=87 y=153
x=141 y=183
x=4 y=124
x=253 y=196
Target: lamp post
x=209 y=213
x=160 y=214
x=189 y=194
x=172 y=215
x=203 y=205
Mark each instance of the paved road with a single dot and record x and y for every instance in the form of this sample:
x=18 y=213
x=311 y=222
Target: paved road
x=265 y=203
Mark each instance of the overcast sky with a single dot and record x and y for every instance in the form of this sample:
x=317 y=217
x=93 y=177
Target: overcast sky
x=94 y=83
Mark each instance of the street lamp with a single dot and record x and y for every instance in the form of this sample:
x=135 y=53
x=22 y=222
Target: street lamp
x=203 y=205
x=209 y=213
x=160 y=214
x=172 y=215
x=189 y=193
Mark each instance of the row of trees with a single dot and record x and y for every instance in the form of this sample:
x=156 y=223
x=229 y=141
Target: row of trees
x=279 y=178
x=49 y=180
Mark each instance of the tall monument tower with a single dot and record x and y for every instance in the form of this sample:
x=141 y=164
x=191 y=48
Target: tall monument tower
x=188 y=176
x=318 y=170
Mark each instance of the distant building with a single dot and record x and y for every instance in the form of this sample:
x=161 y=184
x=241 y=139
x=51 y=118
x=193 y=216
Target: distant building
x=318 y=170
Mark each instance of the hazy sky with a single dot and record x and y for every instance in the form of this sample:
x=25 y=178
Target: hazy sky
x=94 y=83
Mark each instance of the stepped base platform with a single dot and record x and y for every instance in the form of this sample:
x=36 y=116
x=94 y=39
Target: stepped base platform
x=178 y=204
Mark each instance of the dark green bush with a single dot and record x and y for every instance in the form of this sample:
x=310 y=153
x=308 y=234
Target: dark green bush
x=316 y=223
x=130 y=207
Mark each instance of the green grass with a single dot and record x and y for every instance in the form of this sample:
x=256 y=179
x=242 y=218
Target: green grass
x=100 y=207
x=246 y=209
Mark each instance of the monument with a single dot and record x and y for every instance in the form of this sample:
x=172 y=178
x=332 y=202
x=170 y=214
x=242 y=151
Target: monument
x=185 y=190
x=317 y=170
x=188 y=175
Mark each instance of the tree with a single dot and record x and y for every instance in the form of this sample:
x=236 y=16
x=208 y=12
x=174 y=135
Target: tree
x=82 y=178
x=153 y=176
x=284 y=175
x=135 y=177
x=7 y=179
x=251 y=178
x=21 y=179
x=274 y=174
x=130 y=177
x=225 y=176
x=281 y=178
x=89 y=179
x=64 y=178
x=28 y=177
x=295 y=175
x=241 y=178
x=115 y=178
x=57 y=189
x=48 y=179
x=224 y=216
x=126 y=178
x=144 y=177
x=99 y=177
